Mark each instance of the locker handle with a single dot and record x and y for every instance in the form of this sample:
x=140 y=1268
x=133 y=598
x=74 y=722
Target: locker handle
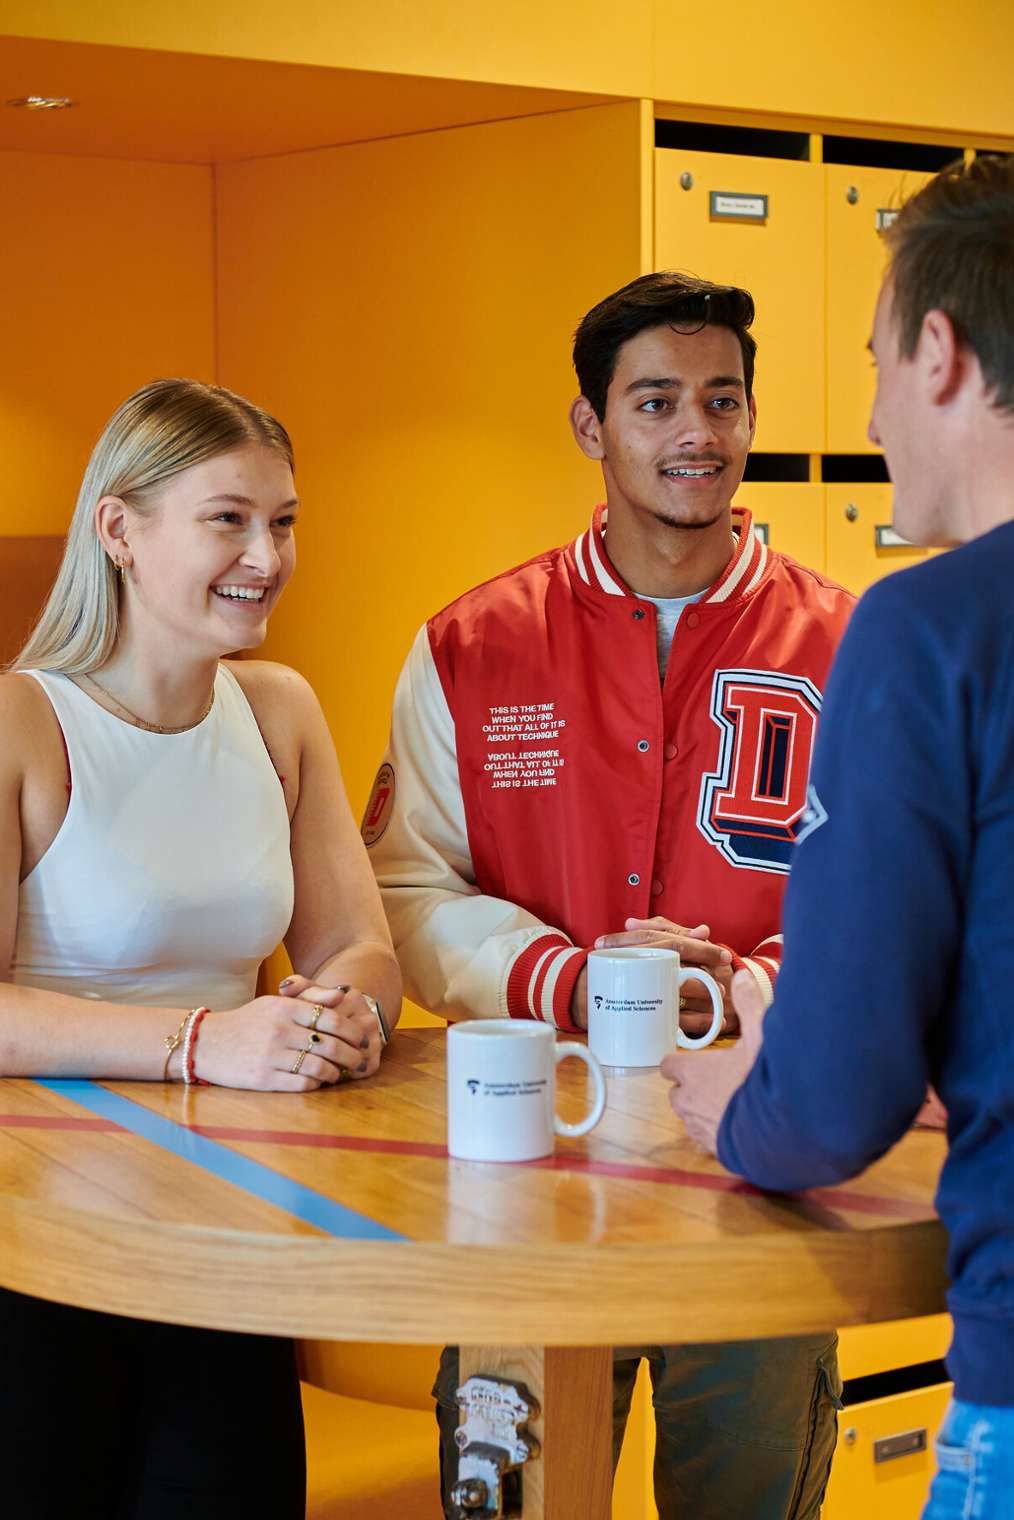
x=903 y=1445
x=885 y=537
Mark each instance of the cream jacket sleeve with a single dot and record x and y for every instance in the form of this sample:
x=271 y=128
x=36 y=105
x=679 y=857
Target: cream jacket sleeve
x=463 y=954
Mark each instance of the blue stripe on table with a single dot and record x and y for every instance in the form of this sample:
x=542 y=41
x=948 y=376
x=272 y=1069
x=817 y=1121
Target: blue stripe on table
x=263 y=1182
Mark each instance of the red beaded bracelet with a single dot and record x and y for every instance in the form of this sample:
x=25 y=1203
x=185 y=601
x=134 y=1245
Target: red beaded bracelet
x=190 y=1076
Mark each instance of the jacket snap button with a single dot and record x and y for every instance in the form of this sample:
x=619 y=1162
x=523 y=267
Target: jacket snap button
x=670 y=752
x=633 y=880
x=692 y=620
x=643 y=745
x=656 y=888
x=638 y=614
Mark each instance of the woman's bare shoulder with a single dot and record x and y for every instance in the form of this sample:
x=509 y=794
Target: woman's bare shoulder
x=273 y=689
x=26 y=715
x=22 y=701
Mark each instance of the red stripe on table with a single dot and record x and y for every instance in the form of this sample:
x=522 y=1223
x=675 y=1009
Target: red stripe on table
x=858 y=1203
x=709 y=1182
x=56 y=1121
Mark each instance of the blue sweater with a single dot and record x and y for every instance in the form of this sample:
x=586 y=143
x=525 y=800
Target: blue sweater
x=899 y=933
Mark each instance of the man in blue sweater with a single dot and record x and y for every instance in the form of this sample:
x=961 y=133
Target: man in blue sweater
x=902 y=887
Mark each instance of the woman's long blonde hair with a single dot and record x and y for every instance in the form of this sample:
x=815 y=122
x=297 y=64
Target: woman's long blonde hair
x=163 y=428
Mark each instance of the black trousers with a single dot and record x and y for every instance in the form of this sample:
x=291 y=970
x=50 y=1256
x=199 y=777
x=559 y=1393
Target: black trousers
x=106 y=1418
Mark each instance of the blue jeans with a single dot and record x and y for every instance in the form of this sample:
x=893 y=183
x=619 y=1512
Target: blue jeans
x=975 y=1465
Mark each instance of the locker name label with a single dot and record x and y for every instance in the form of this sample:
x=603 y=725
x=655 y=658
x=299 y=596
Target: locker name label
x=885 y=219
x=727 y=207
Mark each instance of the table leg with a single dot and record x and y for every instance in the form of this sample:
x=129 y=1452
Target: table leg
x=573 y=1475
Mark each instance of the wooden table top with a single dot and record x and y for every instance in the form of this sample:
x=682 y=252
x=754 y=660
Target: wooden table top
x=338 y=1215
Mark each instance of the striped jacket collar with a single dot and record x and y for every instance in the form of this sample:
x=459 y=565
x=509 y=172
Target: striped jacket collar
x=740 y=576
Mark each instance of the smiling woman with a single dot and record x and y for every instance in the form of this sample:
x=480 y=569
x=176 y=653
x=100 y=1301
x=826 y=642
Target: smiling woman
x=166 y=817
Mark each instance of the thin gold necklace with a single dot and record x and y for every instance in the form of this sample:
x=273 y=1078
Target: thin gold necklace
x=152 y=728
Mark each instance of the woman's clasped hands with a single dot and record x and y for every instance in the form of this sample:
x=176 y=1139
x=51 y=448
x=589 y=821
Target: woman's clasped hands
x=304 y=1038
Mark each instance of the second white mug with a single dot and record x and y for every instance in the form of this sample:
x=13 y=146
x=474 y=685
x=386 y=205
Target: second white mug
x=633 y=1005
x=501 y=1090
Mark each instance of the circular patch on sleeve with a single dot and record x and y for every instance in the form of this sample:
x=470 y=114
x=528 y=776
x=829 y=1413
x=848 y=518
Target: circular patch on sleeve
x=380 y=806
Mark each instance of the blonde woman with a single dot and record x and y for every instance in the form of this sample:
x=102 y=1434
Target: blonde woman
x=168 y=817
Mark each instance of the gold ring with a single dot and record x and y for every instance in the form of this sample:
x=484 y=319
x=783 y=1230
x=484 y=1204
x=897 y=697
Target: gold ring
x=344 y=1075
x=683 y=1002
x=315 y=1038
x=297 y=1063
x=318 y=1009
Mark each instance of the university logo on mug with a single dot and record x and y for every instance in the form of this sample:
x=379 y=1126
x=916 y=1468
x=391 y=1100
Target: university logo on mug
x=633 y=1005
x=501 y=1090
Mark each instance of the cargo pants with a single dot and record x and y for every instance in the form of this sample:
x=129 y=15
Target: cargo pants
x=745 y=1430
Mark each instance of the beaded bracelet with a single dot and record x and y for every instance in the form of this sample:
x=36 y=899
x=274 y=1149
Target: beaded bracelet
x=193 y=1023
x=172 y=1044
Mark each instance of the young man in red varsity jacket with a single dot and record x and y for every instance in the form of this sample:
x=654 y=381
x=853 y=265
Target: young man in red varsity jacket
x=612 y=742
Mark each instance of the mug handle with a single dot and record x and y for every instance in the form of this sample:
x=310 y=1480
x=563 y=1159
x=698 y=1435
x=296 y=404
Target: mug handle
x=695 y=974
x=572 y=1048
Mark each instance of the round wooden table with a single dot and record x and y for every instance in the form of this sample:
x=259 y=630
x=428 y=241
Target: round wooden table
x=338 y=1215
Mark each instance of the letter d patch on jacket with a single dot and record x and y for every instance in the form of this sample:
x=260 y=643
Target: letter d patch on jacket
x=752 y=804
x=380 y=806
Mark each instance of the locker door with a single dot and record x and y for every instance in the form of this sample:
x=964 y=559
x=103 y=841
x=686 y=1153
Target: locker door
x=861 y=544
x=883 y=1464
x=791 y=518
x=714 y=229
x=857 y=200
x=867 y=1349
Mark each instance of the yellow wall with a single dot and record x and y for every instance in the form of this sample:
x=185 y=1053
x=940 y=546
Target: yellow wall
x=106 y=271
x=917 y=64
x=599 y=46
x=395 y=303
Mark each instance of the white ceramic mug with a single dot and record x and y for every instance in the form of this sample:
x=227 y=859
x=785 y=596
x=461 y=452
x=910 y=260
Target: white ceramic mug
x=501 y=1090
x=633 y=1005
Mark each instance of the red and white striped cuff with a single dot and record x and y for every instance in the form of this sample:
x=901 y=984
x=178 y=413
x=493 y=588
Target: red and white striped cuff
x=763 y=964
x=541 y=980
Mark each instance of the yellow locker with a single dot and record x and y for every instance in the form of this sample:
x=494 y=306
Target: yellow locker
x=866 y=1349
x=861 y=543
x=884 y=1464
x=789 y=517
x=860 y=202
x=759 y=223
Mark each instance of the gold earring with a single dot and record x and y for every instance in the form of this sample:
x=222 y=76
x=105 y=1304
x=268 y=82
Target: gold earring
x=121 y=566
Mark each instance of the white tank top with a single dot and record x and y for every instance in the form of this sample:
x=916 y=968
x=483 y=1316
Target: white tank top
x=170 y=879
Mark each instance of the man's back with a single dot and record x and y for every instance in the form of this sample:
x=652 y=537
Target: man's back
x=915 y=771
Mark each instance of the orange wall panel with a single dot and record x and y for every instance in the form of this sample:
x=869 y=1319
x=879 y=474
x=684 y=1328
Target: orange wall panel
x=107 y=274
x=407 y=308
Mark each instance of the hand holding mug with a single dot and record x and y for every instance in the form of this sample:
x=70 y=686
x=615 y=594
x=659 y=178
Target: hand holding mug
x=695 y=948
x=633 y=1004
